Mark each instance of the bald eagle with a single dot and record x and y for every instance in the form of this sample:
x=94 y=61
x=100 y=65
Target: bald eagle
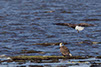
x=65 y=51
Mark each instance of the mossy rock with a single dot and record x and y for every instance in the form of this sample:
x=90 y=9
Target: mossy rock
x=45 y=57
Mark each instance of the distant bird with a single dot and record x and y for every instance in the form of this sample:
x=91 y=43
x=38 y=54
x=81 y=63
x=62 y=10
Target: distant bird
x=65 y=51
x=79 y=28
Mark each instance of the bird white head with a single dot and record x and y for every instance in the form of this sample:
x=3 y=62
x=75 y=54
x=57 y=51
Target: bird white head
x=60 y=44
x=79 y=28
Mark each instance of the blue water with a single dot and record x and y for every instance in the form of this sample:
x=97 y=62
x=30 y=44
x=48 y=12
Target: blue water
x=27 y=22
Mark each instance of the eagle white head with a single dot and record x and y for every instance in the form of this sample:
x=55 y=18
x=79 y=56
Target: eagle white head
x=79 y=28
x=60 y=44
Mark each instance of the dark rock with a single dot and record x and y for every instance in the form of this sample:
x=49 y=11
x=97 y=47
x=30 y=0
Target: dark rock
x=31 y=51
x=90 y=20
x=48 y=44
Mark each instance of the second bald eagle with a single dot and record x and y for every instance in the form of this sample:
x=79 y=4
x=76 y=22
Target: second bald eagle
x=65 y=51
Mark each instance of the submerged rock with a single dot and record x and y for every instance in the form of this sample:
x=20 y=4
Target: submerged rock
x=90 y=20
x=31 y=51
x=88 y=42
x=48 y=44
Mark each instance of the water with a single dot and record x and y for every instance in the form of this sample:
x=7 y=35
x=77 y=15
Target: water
x=60 y=63
x=27 y=22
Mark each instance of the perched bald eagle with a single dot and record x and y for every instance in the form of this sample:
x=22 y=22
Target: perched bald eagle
x=65 y=51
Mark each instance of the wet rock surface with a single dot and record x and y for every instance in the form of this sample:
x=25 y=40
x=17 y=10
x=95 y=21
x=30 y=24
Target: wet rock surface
x=90 y=62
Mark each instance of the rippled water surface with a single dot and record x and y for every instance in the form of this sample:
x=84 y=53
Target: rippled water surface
x=27 y=22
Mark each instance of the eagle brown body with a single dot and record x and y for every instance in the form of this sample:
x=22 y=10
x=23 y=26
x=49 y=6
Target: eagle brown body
x=64 y=50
